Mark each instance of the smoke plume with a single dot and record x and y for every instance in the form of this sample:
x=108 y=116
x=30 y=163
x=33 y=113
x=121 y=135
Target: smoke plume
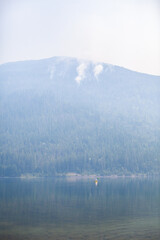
x=98 y=69
x=81 y=72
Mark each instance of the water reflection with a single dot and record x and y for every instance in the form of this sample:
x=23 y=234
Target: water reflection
x=76 y=208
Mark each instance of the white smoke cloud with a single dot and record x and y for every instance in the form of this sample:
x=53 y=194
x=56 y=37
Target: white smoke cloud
x=81 y=72
x=98 y=69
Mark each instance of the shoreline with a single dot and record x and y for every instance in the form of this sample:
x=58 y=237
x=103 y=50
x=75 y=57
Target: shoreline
x=85 y=176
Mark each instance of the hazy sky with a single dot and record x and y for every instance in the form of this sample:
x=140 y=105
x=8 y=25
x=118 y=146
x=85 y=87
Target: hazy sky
x=120 y=32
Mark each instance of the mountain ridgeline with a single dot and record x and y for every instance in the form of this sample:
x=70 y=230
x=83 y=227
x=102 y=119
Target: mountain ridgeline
x=63 y=115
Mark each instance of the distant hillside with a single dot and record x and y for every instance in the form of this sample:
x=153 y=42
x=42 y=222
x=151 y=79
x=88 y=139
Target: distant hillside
x=63 y=115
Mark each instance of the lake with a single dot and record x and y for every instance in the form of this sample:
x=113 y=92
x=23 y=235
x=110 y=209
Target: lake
x=75 y=208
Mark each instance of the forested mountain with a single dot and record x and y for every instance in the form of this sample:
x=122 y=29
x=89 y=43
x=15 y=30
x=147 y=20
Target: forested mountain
x=63 y=115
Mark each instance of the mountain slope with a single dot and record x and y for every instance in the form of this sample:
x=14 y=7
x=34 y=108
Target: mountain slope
x=62 y=115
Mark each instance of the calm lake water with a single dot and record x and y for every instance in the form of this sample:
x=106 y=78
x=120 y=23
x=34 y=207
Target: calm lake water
x=73 y=209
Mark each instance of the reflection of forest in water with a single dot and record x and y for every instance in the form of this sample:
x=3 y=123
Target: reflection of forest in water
x=59 y=201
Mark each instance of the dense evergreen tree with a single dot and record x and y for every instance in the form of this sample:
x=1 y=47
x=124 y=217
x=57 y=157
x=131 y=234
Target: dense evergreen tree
x=50 y=124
